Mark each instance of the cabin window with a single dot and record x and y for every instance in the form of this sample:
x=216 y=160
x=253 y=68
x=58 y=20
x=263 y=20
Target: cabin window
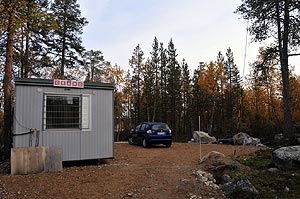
x=62 y=112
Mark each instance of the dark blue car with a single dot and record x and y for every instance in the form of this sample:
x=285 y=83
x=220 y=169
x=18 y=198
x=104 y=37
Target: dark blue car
x=148 y=133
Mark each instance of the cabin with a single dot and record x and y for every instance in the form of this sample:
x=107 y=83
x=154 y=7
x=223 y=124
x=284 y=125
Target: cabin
x=76 y=116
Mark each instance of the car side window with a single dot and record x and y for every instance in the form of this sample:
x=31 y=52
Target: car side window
x=137 y=127
x=143 y=127
x=147 y=127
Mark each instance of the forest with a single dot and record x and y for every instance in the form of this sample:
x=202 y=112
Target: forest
x=42 y=39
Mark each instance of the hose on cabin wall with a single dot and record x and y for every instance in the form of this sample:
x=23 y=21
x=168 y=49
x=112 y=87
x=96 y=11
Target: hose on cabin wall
x=30 y=133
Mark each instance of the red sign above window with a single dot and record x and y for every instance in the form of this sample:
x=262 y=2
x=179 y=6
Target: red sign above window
x=68 y=83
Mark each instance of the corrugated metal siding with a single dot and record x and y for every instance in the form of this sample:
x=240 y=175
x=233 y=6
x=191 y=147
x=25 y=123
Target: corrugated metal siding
x=101 y=135
x=27 y=113
x=69 y=141
x=76 y=144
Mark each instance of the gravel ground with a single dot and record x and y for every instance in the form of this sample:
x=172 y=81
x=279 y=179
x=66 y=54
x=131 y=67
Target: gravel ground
x=136 y=172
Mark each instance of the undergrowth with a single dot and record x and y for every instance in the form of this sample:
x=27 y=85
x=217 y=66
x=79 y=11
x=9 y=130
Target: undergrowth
x=276 y=184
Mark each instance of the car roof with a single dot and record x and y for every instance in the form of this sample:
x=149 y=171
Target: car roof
x=153 y=123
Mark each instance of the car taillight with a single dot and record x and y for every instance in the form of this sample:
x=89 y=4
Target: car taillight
x=149 y=132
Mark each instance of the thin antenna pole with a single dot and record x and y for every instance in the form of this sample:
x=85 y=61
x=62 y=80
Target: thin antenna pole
x=245 y=54
x=199 y=123
x=200 y=136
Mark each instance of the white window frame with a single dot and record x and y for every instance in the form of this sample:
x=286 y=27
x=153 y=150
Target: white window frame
x=85 y=121
x=86 y=113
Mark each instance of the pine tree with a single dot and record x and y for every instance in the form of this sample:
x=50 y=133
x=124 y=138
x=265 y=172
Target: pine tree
x=148 y=89
x=128 y=102
x=30 y=43
x=232 y=88
x=198 y=97
x=186 y=97
x=66 y=41
x=173 y=86
x=279 y=20
x=93 y=65
x=9 y=12
x=162 y=104
x=222 y=82
x=155 y=66
x=231 y=71
x=136 y=62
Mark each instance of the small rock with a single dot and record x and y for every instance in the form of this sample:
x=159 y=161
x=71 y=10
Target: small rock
x=131 y=195
x=184 y=180
x=273 y=170
x=205 y=179
x=286 y=189
x=193 y=197
x=225 y=178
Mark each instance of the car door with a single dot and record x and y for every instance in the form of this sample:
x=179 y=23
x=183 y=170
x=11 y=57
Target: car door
x=141 y=132
x=134 y=133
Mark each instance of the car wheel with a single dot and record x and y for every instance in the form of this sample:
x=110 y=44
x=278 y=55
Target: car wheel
x=130 y=141
x=168 y=144
x=145 y=143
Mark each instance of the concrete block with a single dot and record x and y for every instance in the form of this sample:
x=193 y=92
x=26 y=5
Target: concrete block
x=53 y=161
x=28 y=160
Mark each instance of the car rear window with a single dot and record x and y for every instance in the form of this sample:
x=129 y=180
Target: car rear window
x=160 y=127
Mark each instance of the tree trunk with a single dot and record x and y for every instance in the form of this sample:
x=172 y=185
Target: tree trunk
x=26 y=57
x=285 y=74
x=63 y=58
x=156 y=93
x=138 y=97
x=283 y=51
x=6 y=132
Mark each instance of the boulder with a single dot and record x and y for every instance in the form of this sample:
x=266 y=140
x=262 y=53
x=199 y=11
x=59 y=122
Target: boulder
x=213 y=157
x=286 y=158
x=203 y=138
x=240 y=189
x=218 y=162
x=244 y=139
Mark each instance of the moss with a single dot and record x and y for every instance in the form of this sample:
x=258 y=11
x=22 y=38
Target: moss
x=281 y=184
x=262 y=159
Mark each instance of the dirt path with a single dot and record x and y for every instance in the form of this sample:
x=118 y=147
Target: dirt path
x=136 y=172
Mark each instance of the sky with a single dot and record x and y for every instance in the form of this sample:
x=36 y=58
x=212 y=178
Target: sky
x=199 y=30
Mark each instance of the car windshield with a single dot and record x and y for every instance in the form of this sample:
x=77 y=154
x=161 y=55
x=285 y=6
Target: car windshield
x=160 y=127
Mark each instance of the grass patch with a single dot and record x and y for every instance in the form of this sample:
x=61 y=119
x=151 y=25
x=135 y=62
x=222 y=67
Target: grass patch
x=262 y=159
x=280 y=184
